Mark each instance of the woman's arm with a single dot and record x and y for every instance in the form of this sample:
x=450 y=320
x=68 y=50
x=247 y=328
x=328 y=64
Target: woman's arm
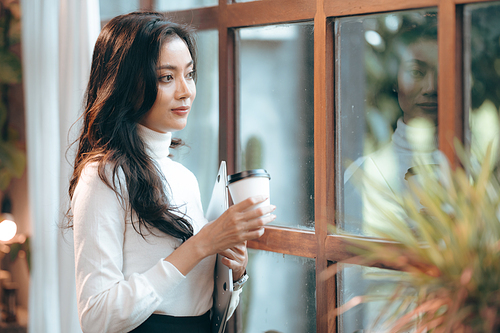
x=241 y=222
x=107 y=302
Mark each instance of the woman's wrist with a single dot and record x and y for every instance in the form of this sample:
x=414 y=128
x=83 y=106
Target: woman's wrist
x=238 y=275
x=198 y=248
x=238 y=284
x=187 y=256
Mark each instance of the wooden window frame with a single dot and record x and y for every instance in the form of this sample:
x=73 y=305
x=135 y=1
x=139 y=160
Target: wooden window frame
x=226 y=17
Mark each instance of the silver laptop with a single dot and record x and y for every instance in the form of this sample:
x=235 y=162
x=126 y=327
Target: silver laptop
x=223 y=276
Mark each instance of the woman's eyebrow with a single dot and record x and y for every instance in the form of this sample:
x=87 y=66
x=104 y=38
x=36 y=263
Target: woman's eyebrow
x=172 y=67
x=418 y=62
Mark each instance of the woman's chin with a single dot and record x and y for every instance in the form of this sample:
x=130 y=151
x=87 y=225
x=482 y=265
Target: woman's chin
x=426 y=118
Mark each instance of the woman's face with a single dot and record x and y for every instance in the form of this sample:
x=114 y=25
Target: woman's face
x=417 y=81
x=176 y=88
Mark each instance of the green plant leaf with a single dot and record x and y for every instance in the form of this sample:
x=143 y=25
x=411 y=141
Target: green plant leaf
x=450 y=250
x=5 y=177
x=13 y=159
x=10 y=67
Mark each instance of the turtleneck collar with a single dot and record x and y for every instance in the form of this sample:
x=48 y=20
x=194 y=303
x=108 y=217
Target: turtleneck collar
x=157 y=143
x=419 y=137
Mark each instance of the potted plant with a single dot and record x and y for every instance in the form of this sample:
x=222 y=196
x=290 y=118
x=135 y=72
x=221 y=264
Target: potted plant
x=447 y=245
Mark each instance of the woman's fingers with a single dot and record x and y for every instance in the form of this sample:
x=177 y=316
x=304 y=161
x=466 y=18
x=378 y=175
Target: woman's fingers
x=233 y=254
x=236 y=258
x=256 y=233
x=259 y=222
x=247 y=203
x=239 y=223
x=257 y=212
x=239 y=249
x=233 y=264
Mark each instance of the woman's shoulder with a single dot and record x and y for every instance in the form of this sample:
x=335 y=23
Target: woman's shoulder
x=179 y=168
x=176 y=171
x=92 y=173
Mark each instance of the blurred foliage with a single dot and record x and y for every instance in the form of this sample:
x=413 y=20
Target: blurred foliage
x=21 y=249
x=484 y=38
x=253 y=154
x=12 y=157
x=485 y=55
x=448 y=244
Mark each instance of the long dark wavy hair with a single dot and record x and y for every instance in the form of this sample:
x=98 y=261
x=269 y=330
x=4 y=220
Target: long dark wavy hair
x=122 y=88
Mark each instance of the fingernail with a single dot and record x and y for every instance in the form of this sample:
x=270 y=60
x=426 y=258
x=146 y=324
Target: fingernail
x=273 y=207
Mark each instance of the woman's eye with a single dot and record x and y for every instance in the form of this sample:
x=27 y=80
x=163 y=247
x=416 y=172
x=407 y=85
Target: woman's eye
x=191 y=75
x=166 y=78
x=416 y=73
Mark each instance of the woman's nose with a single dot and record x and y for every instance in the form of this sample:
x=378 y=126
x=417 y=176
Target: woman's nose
x=430 y=83
x=183 y=89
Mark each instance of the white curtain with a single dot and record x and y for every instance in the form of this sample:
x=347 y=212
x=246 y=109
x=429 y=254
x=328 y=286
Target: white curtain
x=57 y=43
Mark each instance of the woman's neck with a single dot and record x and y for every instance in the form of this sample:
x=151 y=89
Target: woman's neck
x=417 y=136
x=157 y=143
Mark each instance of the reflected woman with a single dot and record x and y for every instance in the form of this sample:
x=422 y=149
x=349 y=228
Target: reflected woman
x=374 y=183
x=417 y=76
x=414 y=140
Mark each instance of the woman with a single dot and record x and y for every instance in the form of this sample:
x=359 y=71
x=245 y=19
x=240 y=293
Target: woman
x=144 y=252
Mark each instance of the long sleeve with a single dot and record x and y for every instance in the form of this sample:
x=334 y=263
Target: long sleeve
x=233 y=303
x=107 y=300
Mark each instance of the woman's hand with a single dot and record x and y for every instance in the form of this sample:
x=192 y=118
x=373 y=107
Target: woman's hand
x=236 y=258
x=239 y=223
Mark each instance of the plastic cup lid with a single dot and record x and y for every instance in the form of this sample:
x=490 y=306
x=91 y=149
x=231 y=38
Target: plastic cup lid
x=246 y=174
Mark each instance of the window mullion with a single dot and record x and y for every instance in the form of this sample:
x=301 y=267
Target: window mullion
x=450 y=81
x=324 y=169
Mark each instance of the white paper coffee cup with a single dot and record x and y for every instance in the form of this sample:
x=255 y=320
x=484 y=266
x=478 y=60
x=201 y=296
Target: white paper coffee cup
x=249 y=183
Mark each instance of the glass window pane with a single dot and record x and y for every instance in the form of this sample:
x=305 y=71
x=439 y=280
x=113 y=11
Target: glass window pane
x=387 y=109
x=171 y=5
x=111 y=8
x=387 y=106
x=482 y=76
x=280 y=294
x=376 y=282
x=276 y=115
x=201 y=134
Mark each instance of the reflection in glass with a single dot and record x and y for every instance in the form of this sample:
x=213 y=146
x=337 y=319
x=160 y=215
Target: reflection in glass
x=276 y=115
x=171 y=5
x=111 y=8
x=388 y=110
x=280 y=294
x=482 y=75
x=204 y=118
x=370 y=316
x=387 y=106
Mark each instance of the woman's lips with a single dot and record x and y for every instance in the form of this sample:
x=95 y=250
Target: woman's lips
x=431 y=106
x=181 y=110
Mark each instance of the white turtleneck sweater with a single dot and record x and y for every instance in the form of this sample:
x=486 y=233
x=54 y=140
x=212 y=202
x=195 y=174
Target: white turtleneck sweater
x=122 y=278
x=384 y=171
